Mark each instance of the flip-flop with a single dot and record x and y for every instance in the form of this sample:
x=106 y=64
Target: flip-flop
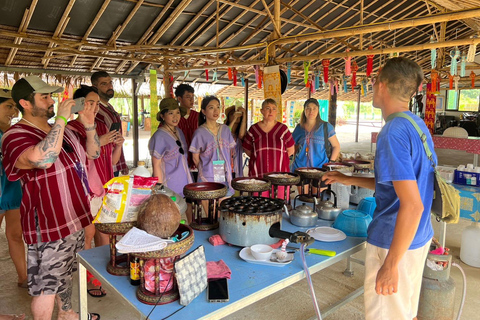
x=102 y=294
x=91 y=314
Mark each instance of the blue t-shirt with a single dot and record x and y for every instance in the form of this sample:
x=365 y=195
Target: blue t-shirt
x=11 y=195
x=317 y=156
x=401 y=156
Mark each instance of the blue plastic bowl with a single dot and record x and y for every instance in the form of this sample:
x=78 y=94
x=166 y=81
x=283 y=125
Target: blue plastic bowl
x=353 y=222
x=367 y=205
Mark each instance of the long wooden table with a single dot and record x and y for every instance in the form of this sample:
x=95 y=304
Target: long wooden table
x=249 y=282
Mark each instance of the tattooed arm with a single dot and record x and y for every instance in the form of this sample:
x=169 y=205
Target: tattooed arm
x=87 y=118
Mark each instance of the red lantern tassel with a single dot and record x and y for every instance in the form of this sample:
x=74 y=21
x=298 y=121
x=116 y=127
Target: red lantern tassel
x=260 y=79
x=370 y=62
x=234 y=76
x=206 y=70
x=472 y=77
x=450 y=77
x=325 y=64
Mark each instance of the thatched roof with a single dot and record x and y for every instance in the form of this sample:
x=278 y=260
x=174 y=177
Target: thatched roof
x=128 y=37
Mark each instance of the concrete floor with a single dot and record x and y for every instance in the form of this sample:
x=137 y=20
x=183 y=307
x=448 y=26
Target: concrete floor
x=293 y=302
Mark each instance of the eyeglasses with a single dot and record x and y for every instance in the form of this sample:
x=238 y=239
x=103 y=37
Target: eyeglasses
x=180 y=145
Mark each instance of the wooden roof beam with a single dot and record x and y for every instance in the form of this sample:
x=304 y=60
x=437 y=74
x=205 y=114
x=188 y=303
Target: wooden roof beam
x=192 y=21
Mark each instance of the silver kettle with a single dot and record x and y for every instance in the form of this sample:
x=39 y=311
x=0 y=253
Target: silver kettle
x=303 y=216
x=328 y=210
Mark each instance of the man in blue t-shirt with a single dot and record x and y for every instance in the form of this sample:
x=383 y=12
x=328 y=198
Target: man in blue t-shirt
x=400 y=233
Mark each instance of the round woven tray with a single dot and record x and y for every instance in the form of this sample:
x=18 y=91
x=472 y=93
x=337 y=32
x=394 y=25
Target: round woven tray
x=205 y=190
x=338 y=166
x=237 y=184
x=358 y=164
x=172 y=249
x=310 y=173
x=115 y=228
x=292 y=179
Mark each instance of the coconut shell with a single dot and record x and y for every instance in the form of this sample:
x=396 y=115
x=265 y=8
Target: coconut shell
x=159 y=216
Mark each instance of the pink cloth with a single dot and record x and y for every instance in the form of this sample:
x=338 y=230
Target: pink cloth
x=216 y=240
x=277 y=244
x=218 y=270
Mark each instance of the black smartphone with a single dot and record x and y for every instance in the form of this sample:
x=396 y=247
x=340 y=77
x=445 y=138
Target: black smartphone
x=79 y=105
x=218 y=290
x=115 y=126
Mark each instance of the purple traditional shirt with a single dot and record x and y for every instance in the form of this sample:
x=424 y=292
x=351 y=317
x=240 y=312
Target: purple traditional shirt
x=163 y=145
x=211 y=149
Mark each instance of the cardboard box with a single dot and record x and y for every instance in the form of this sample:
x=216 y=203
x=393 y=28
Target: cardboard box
x=461 y=178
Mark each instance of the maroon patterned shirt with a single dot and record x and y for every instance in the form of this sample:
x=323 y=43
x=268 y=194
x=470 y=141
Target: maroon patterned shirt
x=188 y=127
x=57 y=195
x=107 y=115
x=268 y=150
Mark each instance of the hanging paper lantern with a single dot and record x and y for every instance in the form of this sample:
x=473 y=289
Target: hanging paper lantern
x=472 y=50
x=206 y=70
x=472 y=78
x=289 y=71
x=454 y=54
x=306 y=65
x=344 y=79
x=260 y=79
x=354 y=75
x=230 y=74
x=434 y=78
x=433 y=54
x=234 y=76
x=370 y=62
x=257 y=77
x=463 y=64
x=325 y=64
x=450 y=78
x=348 y=64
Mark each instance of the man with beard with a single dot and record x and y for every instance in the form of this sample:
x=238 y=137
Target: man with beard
x=51 y=164
x=107 y=114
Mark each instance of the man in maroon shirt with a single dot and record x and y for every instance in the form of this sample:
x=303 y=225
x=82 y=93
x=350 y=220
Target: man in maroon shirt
x=185 y=95
x=51 y=164
x=107 y=114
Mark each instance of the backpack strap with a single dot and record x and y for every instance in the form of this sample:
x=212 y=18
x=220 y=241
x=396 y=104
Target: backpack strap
x=422 y=135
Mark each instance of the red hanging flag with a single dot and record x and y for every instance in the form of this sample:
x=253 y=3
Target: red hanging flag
x=370 y=62
x=450 y=77
x=234 y=71
x=325 y=64
x=206 y=70
x=260 y=79
x=230 y=75
x=472 y=77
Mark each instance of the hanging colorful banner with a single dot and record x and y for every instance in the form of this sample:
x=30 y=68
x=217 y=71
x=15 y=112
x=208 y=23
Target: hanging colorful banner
x=430 y=108
x=153 y=101
x=273 y=87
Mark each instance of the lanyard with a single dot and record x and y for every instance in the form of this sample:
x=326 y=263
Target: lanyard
x=217 y=141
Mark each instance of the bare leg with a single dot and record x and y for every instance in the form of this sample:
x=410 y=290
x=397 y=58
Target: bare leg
x=42 y=307
x=101 y=239
x=16 y=246
x=89 y=234
x=12 y=316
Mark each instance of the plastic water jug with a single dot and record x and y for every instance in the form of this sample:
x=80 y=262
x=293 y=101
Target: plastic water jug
x=140 y=170
x=343 y=195
x=470 y=247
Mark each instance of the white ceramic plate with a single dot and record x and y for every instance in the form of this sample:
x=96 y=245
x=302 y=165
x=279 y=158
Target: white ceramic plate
x=246 y=255
x=327 y=234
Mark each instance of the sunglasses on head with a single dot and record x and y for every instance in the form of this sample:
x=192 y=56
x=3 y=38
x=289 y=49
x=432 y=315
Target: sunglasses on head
x=180 y=145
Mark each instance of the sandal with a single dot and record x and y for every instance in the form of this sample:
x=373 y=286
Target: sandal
x=92 y=292
x=92 y=314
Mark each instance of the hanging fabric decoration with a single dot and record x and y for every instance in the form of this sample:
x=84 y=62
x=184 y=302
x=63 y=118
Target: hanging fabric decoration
x=344 y=79
x=235 y=72
x=257 y=76
x=354 y=75
x=362 y=89
x=472 y=50
x=215 y=77
x=433 y=54
x=308 y=83
x=260 y=78
x=370 y=62
x=454 y=54
x=206 y=71
x=463 y=65
x=450 y=85
x=472 y=77
x=336 y=85
x=325 y=64
x=289 y=71
x=317 y=79
x=185 y=73
x=323 y=85
x=434 y=78
x=230 y=74
x=242 y=78
x=456 y=79
x=306 y=65
x=312 y=84
x=348 y=64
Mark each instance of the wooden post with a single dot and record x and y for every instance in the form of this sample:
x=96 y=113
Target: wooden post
x=167 y=84
x=246 y=100
x=358 y=115
x=332 y=108
x=135 y=122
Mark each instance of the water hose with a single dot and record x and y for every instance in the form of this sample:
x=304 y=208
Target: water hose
x=464 y=293
x=309 y=280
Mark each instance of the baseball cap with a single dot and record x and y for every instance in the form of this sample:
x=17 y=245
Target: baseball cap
x=169 y=104
x=5 y=93
x=31 y=84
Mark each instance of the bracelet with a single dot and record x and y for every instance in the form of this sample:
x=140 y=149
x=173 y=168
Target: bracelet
x=91 y=128
x=61 y=117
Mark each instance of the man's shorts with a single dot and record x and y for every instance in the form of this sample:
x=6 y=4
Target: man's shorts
x=50 y=265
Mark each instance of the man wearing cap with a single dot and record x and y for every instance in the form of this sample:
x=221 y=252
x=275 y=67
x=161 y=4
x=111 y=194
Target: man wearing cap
x=50 y=162
x=107 y=114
